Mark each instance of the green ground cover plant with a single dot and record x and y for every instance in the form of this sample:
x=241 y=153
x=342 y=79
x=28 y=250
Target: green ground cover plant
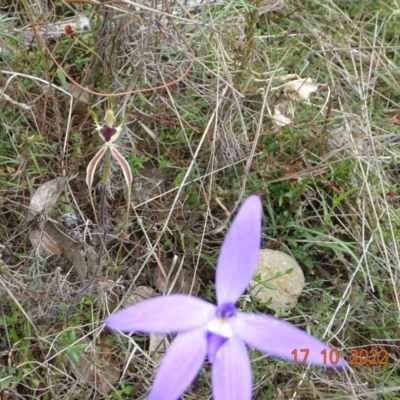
x=297 y=101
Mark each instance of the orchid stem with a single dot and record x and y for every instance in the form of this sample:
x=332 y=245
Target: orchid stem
x=103 y=209
x=107 y=167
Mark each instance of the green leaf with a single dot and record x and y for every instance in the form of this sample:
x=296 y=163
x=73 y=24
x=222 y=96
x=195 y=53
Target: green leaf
x=269 y=286
x=289 y=271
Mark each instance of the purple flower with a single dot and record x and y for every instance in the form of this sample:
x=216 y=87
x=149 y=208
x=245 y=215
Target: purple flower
x=220 y=332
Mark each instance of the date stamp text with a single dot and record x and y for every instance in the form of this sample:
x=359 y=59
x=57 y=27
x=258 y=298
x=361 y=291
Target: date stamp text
x=332 y=356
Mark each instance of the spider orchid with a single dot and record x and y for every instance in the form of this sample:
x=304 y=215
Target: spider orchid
x=109 y=134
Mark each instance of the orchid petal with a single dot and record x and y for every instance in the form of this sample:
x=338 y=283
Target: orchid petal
x=94 y=116
x=163 y=314
x=239 y=253
x=115 y=136
x=109 y=118
x=126 y=169
x=281 y=339
x=107 y=133
x=214 y=342
x=180 y=365
x=231 y=373
x=91 y=168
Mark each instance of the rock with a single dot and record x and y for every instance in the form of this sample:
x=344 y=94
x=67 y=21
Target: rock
x=279 y=271
x=147 y=184
x=139 y=293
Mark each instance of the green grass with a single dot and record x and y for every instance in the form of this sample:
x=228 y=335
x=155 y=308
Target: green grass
x=329 y=183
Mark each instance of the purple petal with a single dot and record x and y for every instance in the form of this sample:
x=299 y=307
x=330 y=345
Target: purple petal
x=281 y=339
x=231 y=373
x=163 y=314
x=214 y=342
x=180 y=365
x=239 y=253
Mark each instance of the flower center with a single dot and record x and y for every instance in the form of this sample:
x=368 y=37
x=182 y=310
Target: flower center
x=225 y=311
x=108 y=132
x=220 y=325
